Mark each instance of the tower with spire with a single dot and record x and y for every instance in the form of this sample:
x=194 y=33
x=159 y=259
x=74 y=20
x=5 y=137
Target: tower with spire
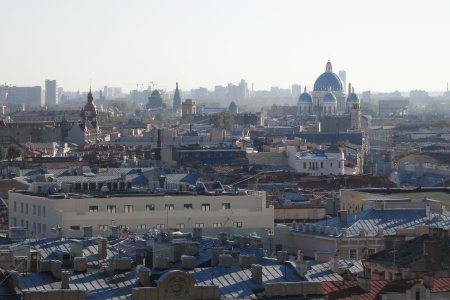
x=89 y=114
x=177 y=99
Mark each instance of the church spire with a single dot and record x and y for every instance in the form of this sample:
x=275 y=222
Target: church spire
x=176 y=98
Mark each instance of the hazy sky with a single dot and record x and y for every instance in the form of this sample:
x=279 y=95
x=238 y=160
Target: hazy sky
x=383 y=45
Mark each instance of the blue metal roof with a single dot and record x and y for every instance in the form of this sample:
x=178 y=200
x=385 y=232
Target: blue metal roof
x=352 y=97
x=329 y=97
x=388 y=219
x=328 y=80
x=305 y=97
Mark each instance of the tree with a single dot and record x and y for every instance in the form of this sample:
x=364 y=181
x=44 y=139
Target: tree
x=3 y=153
x=14 y=151
x=223 y=120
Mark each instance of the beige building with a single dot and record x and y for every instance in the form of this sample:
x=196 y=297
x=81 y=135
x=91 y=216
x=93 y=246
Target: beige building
x=356 y=200
x=233 y=213
x=188 y=107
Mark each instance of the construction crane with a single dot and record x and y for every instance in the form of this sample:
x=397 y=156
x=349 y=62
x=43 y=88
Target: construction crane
x=150 y=84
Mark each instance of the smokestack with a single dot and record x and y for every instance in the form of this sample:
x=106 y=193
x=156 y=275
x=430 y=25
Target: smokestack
x=349 y=87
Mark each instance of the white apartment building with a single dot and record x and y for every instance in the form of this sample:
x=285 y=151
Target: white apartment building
x=316 y=163
x=240 y=213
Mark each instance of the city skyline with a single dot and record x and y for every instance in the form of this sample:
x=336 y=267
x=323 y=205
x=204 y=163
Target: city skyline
x=203 y=43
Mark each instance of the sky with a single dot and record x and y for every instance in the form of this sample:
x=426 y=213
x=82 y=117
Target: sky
x=383 y=45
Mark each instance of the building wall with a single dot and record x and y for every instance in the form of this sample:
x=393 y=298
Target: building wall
x=246 y=211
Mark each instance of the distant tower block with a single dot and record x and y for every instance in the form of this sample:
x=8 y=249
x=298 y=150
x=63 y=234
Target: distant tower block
x=343 y=77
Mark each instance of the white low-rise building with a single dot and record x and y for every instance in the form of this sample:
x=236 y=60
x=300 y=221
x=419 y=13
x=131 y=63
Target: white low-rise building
x=316 y=163
x=234 y=213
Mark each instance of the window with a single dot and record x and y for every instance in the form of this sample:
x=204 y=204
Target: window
x=26 y=208
x=170 y=206
x=34 y=210
x=371 y=251
x=188 y=206
x=205 y=207
x=93 y=208
x=150 y=207
x=26 y=223
x=39 y=210
x=15 y=222
x=128 y=209
x=339 y=165
x=75 y=227
x=103 y=227
x=21 y=207
x=43 y=211
x=226 y=205
x=111 y=209
x=141 y=226
x=44 y=228
x=352 y=254
x=331 y=164
x=321 y=164
x=34 y=226
x=180 y=226
x=160 y=226
x=304 y=165
x=122 y=226
x=22 y=223
x=199 y=225
x=237 y=224
x=39 y=227
x=217 y=225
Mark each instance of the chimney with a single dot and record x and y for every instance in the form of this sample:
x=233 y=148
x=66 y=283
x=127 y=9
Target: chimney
x=187 y=262
x=102 y=248
x=257 y=273
x=428 y=211
x=80 y=264
x=76 y=248
x=225 y=260
x=65 y=277
x=215 y=252
x=349 y=88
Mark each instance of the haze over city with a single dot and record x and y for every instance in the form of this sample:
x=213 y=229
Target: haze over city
x=383 y=45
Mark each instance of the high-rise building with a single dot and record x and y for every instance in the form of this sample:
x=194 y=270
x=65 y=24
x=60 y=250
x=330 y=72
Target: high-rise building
x=243 y=90
x=51 y=95
x=343 y=77
x=177 y=98
x=296 y=90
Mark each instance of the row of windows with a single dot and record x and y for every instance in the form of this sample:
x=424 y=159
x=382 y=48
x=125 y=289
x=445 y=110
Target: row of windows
x=37 y=227
x=162 y=226
x=151 y=207
x=314 y=165
x=353 y=253
x=37 y=209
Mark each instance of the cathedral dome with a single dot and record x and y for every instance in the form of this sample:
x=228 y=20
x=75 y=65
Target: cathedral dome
x=352 y=98
x=328 y=80
x=329 y=97
x=305 y=97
